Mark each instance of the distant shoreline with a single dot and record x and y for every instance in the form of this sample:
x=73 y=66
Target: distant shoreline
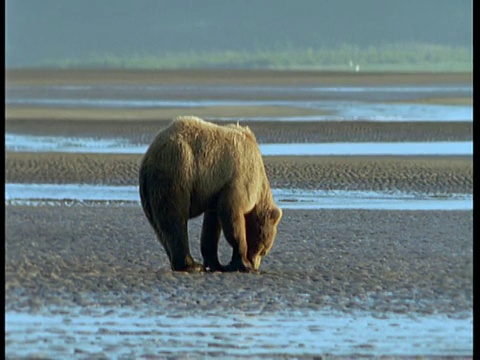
x=38 y=76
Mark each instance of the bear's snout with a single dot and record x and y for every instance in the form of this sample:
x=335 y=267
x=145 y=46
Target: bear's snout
x=256 y=261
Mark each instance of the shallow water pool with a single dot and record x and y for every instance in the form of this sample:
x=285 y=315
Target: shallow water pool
x=17 y=142
x=340 y=102
x=84 y=194
x=124 y=333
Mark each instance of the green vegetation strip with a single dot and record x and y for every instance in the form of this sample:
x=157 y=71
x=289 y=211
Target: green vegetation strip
x=413 y=57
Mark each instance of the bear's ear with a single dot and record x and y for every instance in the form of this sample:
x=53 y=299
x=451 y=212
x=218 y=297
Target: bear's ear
x=275 y=215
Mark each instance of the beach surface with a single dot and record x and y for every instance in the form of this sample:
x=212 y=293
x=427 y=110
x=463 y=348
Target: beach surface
x=104 y=261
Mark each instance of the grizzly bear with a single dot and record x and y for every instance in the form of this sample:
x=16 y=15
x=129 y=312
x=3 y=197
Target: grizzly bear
x=194 y=167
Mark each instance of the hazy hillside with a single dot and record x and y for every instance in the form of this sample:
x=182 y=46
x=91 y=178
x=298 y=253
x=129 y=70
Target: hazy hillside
x=76 y=32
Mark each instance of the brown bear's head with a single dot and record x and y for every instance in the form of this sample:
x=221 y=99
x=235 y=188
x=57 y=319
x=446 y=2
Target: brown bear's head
x=261 y=228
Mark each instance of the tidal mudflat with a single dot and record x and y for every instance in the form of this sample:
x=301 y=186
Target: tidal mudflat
x=350 y=274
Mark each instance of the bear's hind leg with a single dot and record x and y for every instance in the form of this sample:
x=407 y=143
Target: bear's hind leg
x=165 y=207
x=173 y=235
x=211 y=229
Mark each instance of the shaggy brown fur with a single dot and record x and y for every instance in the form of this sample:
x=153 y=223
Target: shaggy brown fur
x=194 y=167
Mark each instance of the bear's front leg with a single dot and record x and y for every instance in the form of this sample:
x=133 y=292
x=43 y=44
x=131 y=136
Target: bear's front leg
x=238 y=264
x=211 y=229
x=233 y=224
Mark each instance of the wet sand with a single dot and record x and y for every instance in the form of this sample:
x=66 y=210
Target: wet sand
x=378 y=261
x=405 y=262
x=69 y=123
x=430 y=174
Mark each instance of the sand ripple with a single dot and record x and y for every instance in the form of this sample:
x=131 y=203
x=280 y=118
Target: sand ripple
x=423 y=174
x=400 y=261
